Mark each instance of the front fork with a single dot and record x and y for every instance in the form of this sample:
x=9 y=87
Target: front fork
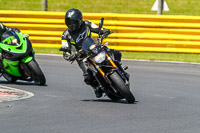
x=115 y=68
x=99 y=69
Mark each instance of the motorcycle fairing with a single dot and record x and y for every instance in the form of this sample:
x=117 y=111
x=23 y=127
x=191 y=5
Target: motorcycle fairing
x=15 y=49
x=11 y=67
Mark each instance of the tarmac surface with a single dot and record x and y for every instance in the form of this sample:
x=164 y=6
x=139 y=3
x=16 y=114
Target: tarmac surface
x=167 y=94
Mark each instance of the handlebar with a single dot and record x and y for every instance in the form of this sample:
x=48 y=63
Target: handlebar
x=105 y=35
x=73 y=57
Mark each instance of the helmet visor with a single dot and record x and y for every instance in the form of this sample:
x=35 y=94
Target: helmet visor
x=72 y=24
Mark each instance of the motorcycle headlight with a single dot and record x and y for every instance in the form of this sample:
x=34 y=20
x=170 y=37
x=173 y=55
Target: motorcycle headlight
x=99 y=58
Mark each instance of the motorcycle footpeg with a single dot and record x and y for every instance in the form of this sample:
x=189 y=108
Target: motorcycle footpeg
x=128 y=84
x=125 y=67
x=127 y=75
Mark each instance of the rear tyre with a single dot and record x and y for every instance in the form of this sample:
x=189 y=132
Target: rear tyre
x=122 y=87
x=36 y=73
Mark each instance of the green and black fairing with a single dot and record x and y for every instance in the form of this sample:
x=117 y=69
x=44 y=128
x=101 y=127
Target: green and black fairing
x=15 y=46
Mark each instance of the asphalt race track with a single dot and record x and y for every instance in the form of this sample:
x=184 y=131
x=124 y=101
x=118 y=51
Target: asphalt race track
x=167 y=94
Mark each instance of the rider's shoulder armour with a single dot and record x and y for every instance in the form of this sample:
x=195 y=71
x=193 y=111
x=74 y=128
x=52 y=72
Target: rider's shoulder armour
x=66 y=35
x=87 y=23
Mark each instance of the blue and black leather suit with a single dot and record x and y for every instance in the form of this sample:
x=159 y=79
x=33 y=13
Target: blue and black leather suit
x=73 y=41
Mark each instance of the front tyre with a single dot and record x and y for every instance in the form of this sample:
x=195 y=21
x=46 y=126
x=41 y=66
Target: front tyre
x=36 y=73
x=122 y=87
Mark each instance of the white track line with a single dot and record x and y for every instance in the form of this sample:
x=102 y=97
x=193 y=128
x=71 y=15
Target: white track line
x=173 y=62
x=28 y=94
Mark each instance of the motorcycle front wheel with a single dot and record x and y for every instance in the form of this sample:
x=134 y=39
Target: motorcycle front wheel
x=120 y=85
x=37 y=74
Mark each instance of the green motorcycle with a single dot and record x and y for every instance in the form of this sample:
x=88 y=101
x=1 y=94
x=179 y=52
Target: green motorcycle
x=17 y=59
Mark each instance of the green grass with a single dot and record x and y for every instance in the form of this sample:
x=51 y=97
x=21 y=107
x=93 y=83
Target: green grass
x=180 y=57
x=47 y=50
x=21 y=5
x=179 y=7
x=140 y=55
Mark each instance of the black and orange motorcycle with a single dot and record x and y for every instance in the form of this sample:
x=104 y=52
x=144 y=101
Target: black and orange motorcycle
x=108 y=72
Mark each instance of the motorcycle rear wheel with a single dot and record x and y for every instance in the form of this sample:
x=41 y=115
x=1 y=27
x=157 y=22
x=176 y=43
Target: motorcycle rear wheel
x=36 y=72
x=122 y=87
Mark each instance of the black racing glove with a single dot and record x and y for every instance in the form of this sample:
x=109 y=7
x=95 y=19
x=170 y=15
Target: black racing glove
x=65 y=49
x=106 y=31
x=69 y=57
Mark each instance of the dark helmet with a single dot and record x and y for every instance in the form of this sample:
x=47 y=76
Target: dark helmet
x=73 y=19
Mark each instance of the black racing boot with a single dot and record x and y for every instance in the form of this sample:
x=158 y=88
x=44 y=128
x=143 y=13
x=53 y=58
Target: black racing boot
x=97 y=91
x=96 y=88
x=87 y=78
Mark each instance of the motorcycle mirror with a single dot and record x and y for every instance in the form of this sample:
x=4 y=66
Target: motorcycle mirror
x=101 y=23
x=106 y=44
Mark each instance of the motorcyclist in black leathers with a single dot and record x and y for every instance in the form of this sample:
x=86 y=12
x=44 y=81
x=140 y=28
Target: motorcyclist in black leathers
x=4 y=28
x=72 y=39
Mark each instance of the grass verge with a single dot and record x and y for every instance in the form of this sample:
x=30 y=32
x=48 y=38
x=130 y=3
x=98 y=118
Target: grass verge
x=180 y=57
x=177 y=7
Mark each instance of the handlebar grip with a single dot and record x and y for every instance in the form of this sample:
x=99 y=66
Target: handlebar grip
x=72 y=57
x=64 y=49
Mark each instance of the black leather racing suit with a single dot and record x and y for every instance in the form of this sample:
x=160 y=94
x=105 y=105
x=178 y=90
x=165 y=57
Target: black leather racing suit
x=73 y=41
x=3 y=29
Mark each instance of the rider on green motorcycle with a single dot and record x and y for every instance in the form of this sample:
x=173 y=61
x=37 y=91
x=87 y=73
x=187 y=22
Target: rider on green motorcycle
x=3 y=29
